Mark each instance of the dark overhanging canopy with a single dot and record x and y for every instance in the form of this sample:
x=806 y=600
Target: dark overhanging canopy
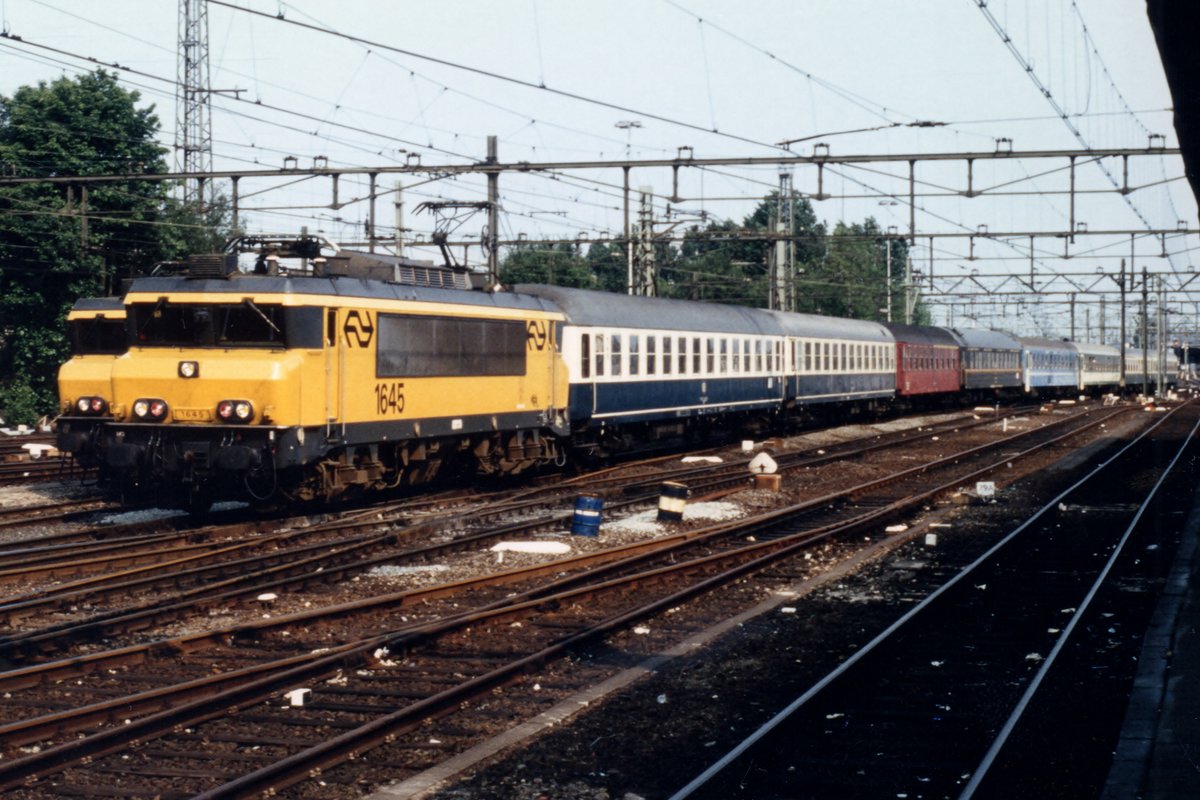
x=1176 y=25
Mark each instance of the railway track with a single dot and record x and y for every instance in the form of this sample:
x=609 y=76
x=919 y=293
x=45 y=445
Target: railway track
x=46 y=513
x=42 y=469
x=147 y=579
x=381 y=687
x=986 y=688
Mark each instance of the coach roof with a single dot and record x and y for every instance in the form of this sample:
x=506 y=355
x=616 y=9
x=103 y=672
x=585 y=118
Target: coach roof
x=982 y=337
x=922 y=334
x=584 y=307
x=344 y=288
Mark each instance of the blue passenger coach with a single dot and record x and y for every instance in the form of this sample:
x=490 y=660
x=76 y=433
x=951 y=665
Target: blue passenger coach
x=1051 y=367
x=651 y=361
x=832 y=360
x=991 y=363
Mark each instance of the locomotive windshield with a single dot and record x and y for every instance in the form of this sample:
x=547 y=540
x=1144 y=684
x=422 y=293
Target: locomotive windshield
x=244 y=324
x=97 y=336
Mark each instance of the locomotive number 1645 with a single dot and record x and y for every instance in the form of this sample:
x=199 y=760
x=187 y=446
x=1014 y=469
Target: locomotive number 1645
x=389 y=397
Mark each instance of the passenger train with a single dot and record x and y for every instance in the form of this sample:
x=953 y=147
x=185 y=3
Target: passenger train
x=321 y=383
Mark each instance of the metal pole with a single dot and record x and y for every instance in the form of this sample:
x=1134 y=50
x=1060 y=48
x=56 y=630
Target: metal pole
x=1145 y=333
x=1161 y=343
x=234 y=198
x=371 y=216
x=889 y=280
x=493 y=242
x=909 y=291
x=398 y=205
x=1121 y=342
x=1103 y=320
x=628 y=241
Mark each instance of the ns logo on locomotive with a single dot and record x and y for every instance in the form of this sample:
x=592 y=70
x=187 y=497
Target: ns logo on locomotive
x=346 y=372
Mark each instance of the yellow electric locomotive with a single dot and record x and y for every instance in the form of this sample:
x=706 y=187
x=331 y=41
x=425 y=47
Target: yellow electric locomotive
x=302 y=386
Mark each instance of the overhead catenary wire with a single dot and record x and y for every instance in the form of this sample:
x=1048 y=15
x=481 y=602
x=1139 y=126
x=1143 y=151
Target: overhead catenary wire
x=498 y=76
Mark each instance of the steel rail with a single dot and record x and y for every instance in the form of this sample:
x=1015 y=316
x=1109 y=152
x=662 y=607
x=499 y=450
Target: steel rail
x=886 y=635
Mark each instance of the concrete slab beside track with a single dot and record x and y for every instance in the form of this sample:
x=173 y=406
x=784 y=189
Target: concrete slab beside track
x=1158 y=756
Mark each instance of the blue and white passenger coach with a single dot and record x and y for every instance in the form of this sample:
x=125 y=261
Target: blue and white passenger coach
x=830 y=361
x=661 y=367
x=1051 y=366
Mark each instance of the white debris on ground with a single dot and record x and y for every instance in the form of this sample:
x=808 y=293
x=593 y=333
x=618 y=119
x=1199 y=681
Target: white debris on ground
x=395 y=570
x=647 y=523
x=152 y=514
x=540 y=548
x=551 y=548
x=141 y=515
x=36 y=494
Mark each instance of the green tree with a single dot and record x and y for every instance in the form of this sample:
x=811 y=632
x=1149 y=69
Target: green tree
x=558 y=265
x=59 y=243
x=840 y=273
x=608 y=265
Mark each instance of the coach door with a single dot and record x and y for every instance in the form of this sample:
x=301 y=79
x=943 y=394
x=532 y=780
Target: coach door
x=335 y=373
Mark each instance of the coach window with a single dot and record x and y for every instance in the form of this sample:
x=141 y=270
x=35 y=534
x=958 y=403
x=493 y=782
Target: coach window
x=599 y=355
x=724 y=357
x=666 y=355
x=615 y=344
x=710 y=355
x=635 y=356
x=736 y=356
x=808 y=356
x=696 y=355
x=651 y=355
x=585 y=356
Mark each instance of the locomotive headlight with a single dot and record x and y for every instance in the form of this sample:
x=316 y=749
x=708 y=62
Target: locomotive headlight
x=150 y=409
x=91 y=405
x=235 y=411
x=189 y=369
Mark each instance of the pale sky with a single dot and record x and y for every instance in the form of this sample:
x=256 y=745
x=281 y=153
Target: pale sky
x=758 y=71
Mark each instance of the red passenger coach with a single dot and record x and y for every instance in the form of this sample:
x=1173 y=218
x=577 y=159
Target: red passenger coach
x=927 y=360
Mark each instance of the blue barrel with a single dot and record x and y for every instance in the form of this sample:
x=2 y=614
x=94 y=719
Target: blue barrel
x=587 y=515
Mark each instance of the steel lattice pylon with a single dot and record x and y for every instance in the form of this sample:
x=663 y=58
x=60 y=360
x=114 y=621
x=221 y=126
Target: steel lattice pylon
x=193 y=112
